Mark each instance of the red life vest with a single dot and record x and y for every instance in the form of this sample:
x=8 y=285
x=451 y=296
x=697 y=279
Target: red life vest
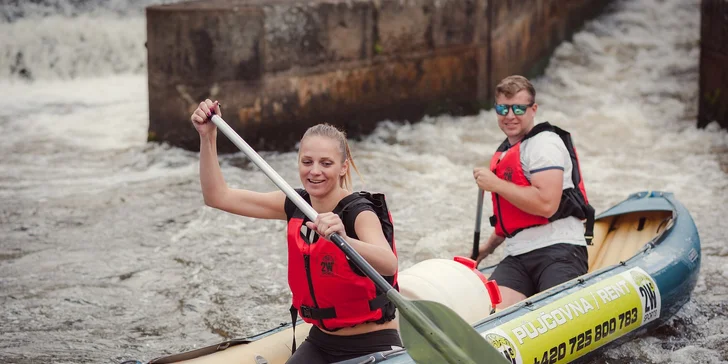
x=508 y=219
x=328 y=290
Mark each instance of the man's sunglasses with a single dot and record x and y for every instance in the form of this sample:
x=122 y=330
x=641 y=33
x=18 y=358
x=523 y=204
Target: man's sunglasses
x=518 y=109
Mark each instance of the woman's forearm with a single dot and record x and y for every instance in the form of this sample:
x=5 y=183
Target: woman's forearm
x=211 y=179
x=381 y=259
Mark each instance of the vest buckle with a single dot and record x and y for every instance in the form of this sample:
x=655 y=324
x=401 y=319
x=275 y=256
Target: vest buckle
x=306 y=311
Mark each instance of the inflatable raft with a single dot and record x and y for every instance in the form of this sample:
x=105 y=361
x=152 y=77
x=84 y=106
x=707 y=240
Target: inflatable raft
x=643 y=266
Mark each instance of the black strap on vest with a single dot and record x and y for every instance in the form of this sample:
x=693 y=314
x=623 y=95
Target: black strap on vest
x=352 y=199
x=327 y=313
x=316 y=313
x=589 y=227
x=294 y=315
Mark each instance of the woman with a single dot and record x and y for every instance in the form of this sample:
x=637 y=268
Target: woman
x=350 y=316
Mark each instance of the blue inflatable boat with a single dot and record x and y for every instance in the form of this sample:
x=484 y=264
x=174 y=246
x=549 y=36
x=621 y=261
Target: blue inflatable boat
x=643 y=266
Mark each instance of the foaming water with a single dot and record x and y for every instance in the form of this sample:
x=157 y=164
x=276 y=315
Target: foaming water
x=72 y=53
x=67 y=39
x=107 y=252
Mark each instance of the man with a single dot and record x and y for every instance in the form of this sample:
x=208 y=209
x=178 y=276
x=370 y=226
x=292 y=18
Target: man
x=538 y=196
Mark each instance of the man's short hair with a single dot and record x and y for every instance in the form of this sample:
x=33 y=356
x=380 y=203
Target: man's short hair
x=511 y=85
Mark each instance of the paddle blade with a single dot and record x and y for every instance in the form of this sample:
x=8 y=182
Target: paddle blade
x=463 y=336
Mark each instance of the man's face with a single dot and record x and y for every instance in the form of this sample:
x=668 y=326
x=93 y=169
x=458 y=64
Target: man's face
x=515 y=126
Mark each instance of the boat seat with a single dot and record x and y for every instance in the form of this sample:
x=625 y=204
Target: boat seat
x=618 y=238
x=449 y=283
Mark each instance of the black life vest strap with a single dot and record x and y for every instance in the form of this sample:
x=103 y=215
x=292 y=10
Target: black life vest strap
x=589 y=227
x=294 y=315
x=378 y=302
x=316 y=313
x=328 y=313
x=352 y=199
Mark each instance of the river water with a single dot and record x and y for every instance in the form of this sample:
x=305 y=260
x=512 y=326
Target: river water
x=107 y=252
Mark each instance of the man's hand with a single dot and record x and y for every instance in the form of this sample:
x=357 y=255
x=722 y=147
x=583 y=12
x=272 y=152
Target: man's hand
x=486 y=249
x=483 y=252
x=486 y=180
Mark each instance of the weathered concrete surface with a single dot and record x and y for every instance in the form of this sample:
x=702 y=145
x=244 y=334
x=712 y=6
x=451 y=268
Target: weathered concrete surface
x=525 y=32
x=714 y=63
x=280 y=66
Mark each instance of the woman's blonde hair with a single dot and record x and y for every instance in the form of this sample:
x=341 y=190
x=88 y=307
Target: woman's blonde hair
x=330 y=131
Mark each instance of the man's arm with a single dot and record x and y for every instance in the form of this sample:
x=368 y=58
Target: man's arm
x=541 y=198
x=544 y=158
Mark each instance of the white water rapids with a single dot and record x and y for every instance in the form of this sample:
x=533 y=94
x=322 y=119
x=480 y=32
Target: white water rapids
x=107 y=252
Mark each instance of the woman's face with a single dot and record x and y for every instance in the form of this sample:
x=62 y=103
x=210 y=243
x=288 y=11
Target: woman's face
x=320 y=165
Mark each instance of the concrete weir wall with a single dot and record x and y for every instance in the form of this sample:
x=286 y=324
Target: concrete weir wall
x=713 y=63
x=278 y=67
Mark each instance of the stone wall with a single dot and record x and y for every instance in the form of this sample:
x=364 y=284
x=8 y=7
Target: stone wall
x=278 y=67
x=714 y=63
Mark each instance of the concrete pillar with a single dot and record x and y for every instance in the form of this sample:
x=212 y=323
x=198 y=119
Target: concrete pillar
x=713 y=104
x=279 y=67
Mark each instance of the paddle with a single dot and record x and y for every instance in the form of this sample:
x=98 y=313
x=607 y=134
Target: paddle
x=431 y=332
x=478 y=219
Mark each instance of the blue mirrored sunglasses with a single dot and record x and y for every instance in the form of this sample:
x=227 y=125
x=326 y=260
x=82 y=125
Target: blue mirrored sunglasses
x=518 y=109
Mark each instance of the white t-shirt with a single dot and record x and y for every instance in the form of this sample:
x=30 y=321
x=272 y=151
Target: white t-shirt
x=542 y=152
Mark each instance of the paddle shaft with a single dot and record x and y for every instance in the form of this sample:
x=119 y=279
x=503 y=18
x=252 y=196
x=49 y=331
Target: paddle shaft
x=478 y=219
x=423 y=325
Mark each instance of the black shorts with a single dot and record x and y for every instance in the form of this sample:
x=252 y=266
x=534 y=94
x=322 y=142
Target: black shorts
x=323 y=348
x=541 y=269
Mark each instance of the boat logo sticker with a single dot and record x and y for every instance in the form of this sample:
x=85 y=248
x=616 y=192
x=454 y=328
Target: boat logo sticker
x=564 y=329
x=504 y=345
x=649 y=295
x=508 y=174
